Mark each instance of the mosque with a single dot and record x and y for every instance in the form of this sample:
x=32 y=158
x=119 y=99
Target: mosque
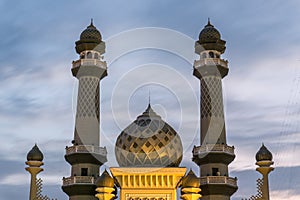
x=149 y=151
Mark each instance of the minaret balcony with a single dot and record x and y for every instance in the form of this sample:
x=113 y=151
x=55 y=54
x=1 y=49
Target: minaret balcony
x=78 y=180
x=79 y=185
x=89 y=62
x=211 y=61
x=218 y=180
x=213 y=153
x=218 y=185
x=85 y=149
x=89 y=67
x=210 y=66
x=86 y=154
x=213 y=147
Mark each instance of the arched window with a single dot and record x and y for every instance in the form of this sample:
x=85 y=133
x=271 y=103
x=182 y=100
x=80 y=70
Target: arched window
x=82 y=56
x=211 y=54
x=89 y=55
x=96 y=56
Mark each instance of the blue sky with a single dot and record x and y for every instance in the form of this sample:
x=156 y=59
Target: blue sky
x=38 y=92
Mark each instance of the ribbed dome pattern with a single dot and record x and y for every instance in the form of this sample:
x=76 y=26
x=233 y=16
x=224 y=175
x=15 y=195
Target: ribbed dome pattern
x=148 y=142
x=209 y=34
x=90 y=39
x=91 y=34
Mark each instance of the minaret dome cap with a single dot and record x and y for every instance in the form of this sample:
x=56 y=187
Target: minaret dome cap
x=263 y=154
x=35 y=154
x=209 y=34
x=105 y=180
x=90 y=39
x=190 y=180
x=91 y=34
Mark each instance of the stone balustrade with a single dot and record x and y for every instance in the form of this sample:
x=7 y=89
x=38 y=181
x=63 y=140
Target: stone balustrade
x=85 y=149
x=89 y=62
x=213 y=148
x=78 y=179
x=211 y=61
x=218 y=180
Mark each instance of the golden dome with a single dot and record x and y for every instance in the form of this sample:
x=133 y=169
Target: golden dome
x=148 y=142
x=190 y=180
x=105 y=180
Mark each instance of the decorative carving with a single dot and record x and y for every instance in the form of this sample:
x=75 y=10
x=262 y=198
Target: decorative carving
x=39 y=196
x=148 y=141
x=88 y=98
x=211 y=97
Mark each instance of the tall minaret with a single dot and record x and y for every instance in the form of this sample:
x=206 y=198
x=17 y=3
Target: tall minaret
x=85 y=155
x=213 y=156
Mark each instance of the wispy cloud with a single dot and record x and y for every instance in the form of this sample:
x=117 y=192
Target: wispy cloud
x=36 y=90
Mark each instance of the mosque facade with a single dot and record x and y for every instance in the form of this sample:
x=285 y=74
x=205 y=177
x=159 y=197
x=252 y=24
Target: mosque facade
x=149 y=151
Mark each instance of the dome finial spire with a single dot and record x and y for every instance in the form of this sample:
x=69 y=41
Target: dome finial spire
x=208 y=21
x=92 y=22
x=149 y=96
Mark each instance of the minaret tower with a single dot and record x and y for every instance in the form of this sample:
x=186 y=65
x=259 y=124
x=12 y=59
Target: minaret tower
x=213 y=156
x=34 y=162
x=85 y=155
x=264 y=161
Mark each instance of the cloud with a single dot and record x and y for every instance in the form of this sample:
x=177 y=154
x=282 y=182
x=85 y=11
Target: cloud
x=287 y=187
x=36 y=90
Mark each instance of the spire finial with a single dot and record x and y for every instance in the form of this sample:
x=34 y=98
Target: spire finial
x=149 y=97
x=92 y=22
x=208 y=21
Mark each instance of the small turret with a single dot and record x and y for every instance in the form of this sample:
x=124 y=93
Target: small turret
x=190 y=180
x=106 y=189
x=264 y=161
x=263 y=154
x=190 y=189
x=34 y=162
x=35 y=154
x=105 y=180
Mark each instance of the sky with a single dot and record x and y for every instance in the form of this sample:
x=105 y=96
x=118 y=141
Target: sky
x=149 y=47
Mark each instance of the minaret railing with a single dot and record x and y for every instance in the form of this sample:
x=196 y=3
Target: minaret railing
x=85 y=149
x=89 y=62
x=213 y=148
x=218 y=180
x=78 y=179
x=211 y=61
